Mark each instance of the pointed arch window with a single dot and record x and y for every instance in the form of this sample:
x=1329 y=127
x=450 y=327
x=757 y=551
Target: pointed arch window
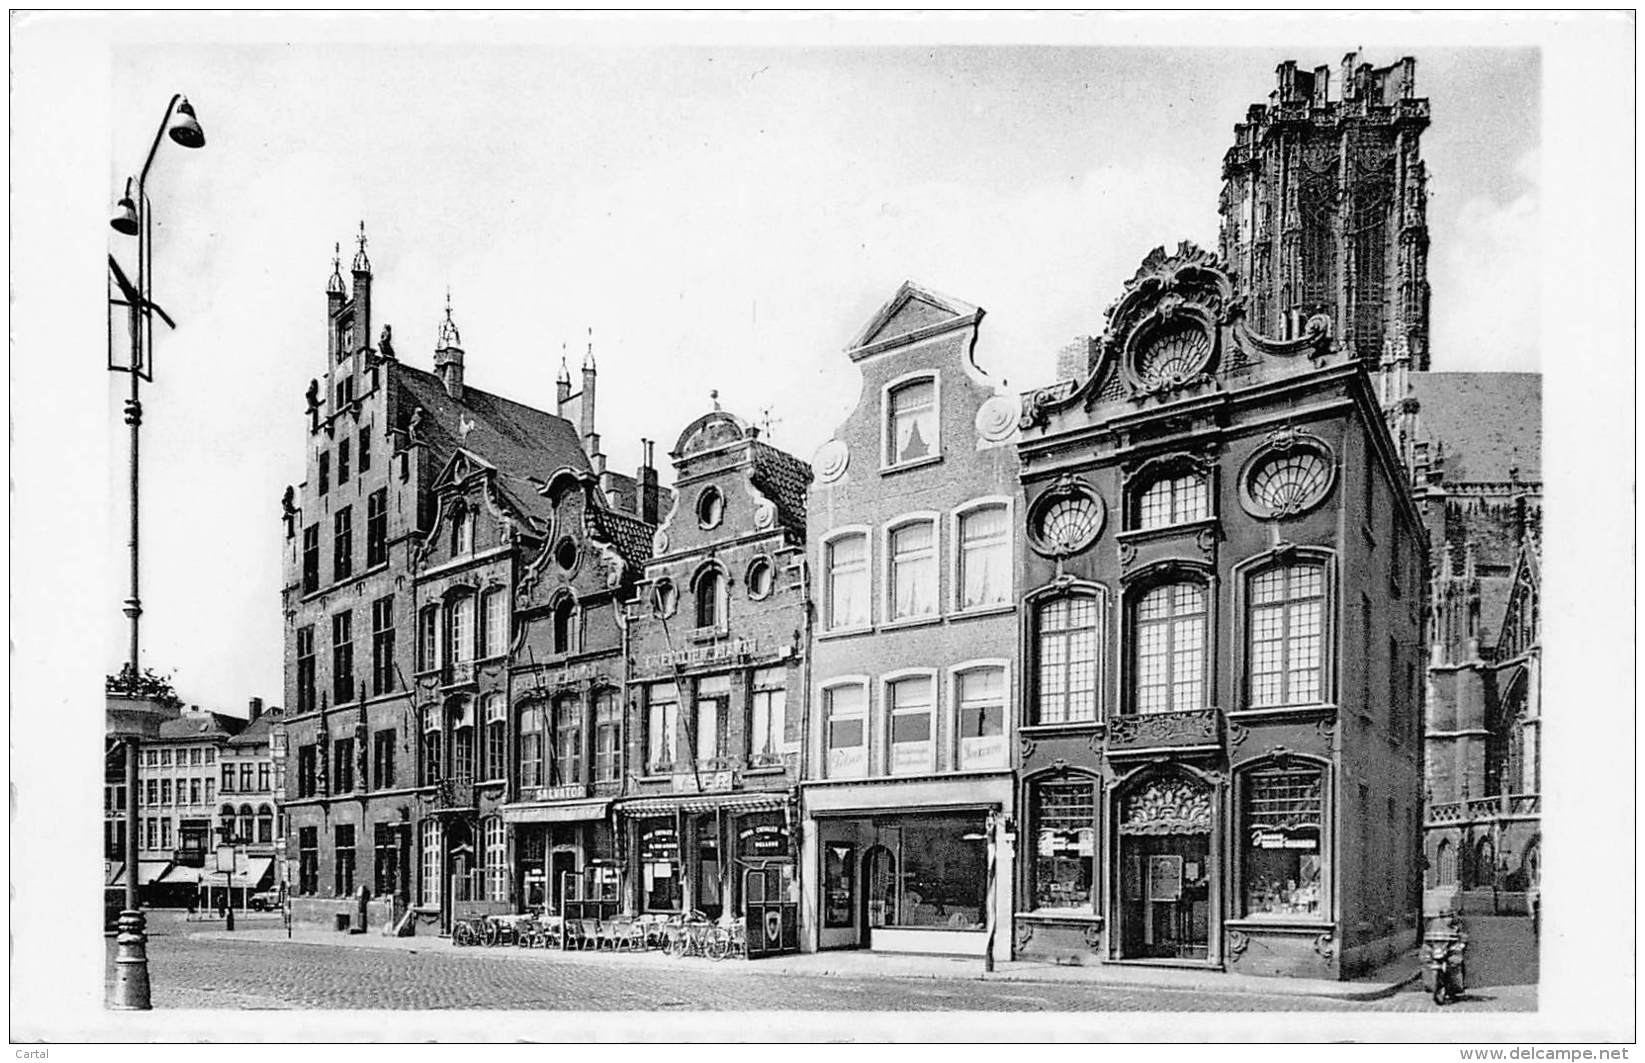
x=1168 y=629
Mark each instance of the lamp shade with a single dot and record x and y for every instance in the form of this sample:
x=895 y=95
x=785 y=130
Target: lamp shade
x=185 y=127
x=125 y=217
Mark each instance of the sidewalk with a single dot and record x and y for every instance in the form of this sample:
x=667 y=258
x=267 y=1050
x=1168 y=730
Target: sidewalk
x=854 y=964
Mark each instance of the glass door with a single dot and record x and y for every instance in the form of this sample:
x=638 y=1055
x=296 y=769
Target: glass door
x=1165 y=903
x=879 y=891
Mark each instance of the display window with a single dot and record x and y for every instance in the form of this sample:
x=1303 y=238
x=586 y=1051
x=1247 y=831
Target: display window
x=933 y=873
x=1282 y=859
x=660 y=877
x=1065 y=845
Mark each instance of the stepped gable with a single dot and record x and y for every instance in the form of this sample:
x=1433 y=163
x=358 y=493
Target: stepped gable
x=513 y=438
x=1488 y=423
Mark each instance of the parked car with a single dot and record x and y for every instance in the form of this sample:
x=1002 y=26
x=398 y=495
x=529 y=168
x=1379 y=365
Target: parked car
x=266 y=901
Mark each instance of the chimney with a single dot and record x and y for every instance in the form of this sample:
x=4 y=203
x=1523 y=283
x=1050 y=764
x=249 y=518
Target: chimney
x=254 y=710
x=585 y=406
x=648 y=500
x=362 y=295
x=448 y=355
x=562 y=386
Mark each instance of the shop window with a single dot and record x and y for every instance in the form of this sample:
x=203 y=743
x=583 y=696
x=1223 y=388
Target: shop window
x=1173 y=498
x=342 y=550
x=494 y=616
x=311 y=559
x=662 y=728
x=461 y=630
x=766 y=723
x=428 y=639
x=343 y=859
x=847 y=586
x=1065 y=846
x=940 y=873
x=531 y=746
x=496 y=860
x=385 y=860
x=608 y=722
x=911 y=422
x=308 y=860
x=565 y=625
x=913 y=577
x=845 y=710
x=660 y=866
x=433 y=852
x=568 y=742
x=1067 y=647
x=1283 y=814
x=979 y=714
x=1285 y=626
x=1168 y=630
x=984 y=557
x=708 y=591
x=911 y=704
x=496 y=740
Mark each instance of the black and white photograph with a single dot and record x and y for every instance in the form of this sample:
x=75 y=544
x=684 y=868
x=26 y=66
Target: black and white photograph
x=823 y=526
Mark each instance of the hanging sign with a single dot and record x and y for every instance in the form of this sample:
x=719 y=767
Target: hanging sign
x=765 y=836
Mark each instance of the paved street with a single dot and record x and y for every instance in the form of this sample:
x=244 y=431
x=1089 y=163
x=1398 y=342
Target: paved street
x=193 y=971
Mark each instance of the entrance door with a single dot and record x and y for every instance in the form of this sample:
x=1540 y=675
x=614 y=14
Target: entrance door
x=879 y=894
x=562 y=865
x=1165 y=907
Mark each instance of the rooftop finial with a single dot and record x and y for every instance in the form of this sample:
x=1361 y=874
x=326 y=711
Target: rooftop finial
x=449 y=337
x=335 y=283
x=715 y=396
x=361 y=263
x=588 y=359
x=565 y=374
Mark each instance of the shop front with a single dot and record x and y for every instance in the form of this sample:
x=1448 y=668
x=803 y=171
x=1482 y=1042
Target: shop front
x=554 y=844
x=1168 y=866
x=929 y=874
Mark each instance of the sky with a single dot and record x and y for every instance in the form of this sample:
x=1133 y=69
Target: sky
x=721 y=218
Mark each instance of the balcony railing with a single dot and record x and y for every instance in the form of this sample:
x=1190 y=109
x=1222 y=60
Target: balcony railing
x=1140 y=732
x=1485 y=808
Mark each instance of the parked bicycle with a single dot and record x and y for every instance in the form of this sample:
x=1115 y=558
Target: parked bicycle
x=474 y=930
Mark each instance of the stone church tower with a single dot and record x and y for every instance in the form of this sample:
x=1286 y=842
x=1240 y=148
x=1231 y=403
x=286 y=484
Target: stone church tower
x=1324 y=210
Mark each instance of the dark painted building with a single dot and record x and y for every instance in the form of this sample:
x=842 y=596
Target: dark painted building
x=1222 y=593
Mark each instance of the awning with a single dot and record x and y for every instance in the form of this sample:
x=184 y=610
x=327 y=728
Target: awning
x=558 y=812
x=667 y=806
x=147 y=872
x=253 y=873
x=183 y=876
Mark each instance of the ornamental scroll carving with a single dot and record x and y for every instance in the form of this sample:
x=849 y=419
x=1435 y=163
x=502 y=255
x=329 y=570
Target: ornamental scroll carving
x=1168 y=806
x=1025 y=934
x=1238 y=941
x=1194 y=727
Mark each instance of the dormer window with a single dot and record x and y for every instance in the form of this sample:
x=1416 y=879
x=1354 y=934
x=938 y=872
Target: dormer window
x=911 y=433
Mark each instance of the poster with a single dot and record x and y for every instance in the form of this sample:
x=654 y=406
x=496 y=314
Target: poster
x=1165 y=878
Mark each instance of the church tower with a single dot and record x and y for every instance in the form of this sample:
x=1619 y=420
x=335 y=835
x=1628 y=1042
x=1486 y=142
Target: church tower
x=1324 y=209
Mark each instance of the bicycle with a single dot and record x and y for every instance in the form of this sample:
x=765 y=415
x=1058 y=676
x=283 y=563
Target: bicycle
x=473 y=930
x=728 y=940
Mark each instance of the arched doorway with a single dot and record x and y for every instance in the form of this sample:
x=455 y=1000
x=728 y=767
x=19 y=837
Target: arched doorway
x=1164 y=857
x=1445 y=864
x=879 y=892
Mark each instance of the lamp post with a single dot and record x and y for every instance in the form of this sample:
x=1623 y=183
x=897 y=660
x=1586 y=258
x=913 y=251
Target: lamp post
x=131 y=218
x=228 y=860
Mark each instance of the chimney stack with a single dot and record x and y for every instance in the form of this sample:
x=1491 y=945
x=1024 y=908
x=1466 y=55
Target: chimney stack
x=648 y=491
x=255 y=709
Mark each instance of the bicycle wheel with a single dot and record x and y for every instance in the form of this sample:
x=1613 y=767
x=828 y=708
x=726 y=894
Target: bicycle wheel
x=462 y=935
x=490 y=931
x=717 y=946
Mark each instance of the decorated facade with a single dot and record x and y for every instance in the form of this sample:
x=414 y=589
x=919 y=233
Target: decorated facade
x=1222 y=591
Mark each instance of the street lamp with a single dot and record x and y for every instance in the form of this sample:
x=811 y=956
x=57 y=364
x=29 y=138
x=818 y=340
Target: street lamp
x=132 y=218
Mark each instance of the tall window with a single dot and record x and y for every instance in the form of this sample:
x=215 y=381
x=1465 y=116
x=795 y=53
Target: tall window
x=243 y=824
x=306 y=775
x=568 y=741
x=1283 y=813
x=305 y=669
x=496 y=725
x=382 y=759
x=531 y=745
x=428 y=639
x=912 y=704
x=365 y=449
x=709 y=592
x=193 y=791
x=433 y=747
x=1065 y=844
x=911 y=422
x=848 y=581
x=914 y=570
x=342 y=759
x=765 y=731
x=308 y=860
x=433 y=850
x=265 y=825
x=165 y=791
x=1174 y=500
x=1067 y=643
x=1285 y=625
x=245 y=778
x=608 y=722
x=342 y=547
x=980 y=715
x=713 y=693
x=565 y=625
x=342 y=657
x=325 y=471
x=262 y=778
x=343 y=859
x=342 y=461
x=385 y=860
x=984 y=558
x=496 y=859
x=845 y=712
x=377 y=527
x=382 y=645
x=311 y=559
x=462 y=741
x=462 y=630
x=494 y=620
x=662 y=728
x=1169 y=630
x=462 y=533
x=211 y=791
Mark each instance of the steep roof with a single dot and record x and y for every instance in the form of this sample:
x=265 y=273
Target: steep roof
x=784 y=479
x=1488 y=423
x=630 y=535
x=516 y=439
x=255 y=733
x=206 y=725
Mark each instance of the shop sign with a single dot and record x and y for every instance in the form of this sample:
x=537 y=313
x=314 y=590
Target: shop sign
x=1165 y=878
x=731 y=650
x=765 y=838
x=985 y=752
x=572 y=674
x=1281 y=840
x=660 y=843
x=1068 y=843
x=850 y=762
x=688 y=782
x=909 y=758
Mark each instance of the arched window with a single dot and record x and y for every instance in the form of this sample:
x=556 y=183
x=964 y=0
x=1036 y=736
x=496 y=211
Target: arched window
x=911 y=422
x=1168 y=628
x=709 y=592
x=1067 y=650
x=462 y=630
x=1285 y=634
x=225 y=820
x=1176 y=496
x=243 y=826
x=565 y=625
x=1445 y=860
x=265 y=825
